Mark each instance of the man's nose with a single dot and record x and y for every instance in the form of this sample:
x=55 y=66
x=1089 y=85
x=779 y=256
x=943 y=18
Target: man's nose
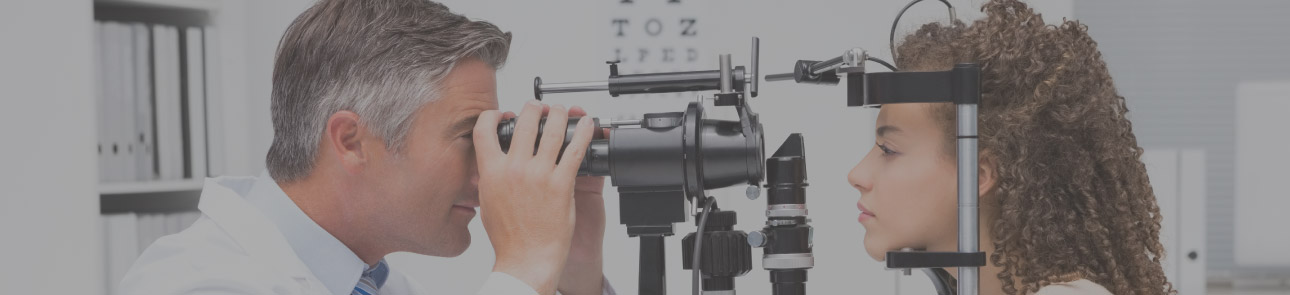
x=474 y=178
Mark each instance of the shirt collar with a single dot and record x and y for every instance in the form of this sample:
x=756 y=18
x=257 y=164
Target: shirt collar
x=327 y=258
x=378 y=273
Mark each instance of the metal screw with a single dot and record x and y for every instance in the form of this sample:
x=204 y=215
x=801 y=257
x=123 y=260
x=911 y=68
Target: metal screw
x=756 y=239
x=753 y=192
x=907 y=271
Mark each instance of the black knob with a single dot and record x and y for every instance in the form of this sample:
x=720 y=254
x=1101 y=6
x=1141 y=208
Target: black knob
x=1192 y=255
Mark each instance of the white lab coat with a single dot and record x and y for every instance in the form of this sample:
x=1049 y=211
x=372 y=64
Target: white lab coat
x=232 y=249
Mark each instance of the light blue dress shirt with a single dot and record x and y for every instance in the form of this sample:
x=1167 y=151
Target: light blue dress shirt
x=330 y=260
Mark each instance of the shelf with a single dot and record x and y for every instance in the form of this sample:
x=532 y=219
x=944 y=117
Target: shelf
x=150 y=196
x=181 y=4
x=152 y=202
x=183 y=13
x=124 y=188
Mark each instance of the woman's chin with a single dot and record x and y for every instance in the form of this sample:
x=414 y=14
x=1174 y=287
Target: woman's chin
x=877 y=252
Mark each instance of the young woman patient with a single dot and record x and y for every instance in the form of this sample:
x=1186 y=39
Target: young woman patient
x=1065 y=204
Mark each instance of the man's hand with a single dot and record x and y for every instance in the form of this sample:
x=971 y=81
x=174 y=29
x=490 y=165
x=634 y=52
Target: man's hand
x=584 y=270
x=526 y=199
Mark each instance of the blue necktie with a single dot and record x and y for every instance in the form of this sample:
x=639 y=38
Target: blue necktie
x=372 y=279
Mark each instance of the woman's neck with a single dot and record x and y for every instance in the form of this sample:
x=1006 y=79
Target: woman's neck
x=989 y=274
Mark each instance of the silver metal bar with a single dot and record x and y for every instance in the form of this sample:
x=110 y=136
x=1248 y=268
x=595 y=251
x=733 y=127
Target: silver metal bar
x=788 y=261
x=967 y=187
x=828 y=65
x=616 y=123
x=756 y=55
x=574 y=87
x=724 y=63
x=953 y=17
x=779 y=77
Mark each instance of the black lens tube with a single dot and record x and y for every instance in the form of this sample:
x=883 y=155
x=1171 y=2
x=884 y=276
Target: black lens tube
x=664 y=148
x=786 y=239
x=594 y=163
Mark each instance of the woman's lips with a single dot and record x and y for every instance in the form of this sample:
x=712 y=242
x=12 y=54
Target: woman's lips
x=865 y=214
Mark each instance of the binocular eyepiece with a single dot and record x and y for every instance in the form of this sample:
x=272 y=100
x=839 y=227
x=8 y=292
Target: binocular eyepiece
x=668 y=149
x=594 y=163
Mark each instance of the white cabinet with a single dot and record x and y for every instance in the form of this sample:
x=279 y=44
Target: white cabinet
x=1262 y=169
x=1178 y=180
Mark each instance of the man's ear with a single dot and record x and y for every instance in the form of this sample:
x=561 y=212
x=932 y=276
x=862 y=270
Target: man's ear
x=345 y=137
x=987 y=173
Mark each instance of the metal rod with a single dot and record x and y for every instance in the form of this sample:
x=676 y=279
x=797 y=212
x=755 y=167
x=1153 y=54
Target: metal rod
x=779 y=77
x=828 y=65
x=967 y=187
x=724 y=69
x=574 y=87
x=756 y=55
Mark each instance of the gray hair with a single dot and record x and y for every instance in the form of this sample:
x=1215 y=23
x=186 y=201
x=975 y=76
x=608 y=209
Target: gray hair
x=382 y=59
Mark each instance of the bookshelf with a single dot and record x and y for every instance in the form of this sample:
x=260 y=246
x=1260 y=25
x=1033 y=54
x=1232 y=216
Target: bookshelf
x=176 y=93
x=180 y=132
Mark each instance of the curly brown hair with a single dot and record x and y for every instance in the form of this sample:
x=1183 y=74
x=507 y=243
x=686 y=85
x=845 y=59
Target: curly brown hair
x=1072 y=195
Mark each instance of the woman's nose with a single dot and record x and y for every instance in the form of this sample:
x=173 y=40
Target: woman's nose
x=861 y=176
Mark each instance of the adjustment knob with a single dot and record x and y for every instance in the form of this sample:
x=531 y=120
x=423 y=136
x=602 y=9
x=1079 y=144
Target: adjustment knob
x=725 y=253
x=756 y=239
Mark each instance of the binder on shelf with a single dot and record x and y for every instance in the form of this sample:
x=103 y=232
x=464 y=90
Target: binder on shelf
x=214 y=104
x=168 y=224
x=149 y=229
x=122 y=246
x=156 y=121
x=124 y=125
x=112 y=82
x=169 y=135
x=175 y=85
x=124 y=91
x=196 y=97
x=162 y=102
x=100 y=99
x=174 y=111
x=145 y=151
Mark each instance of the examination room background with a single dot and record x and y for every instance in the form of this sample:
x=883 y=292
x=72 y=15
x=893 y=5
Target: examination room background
x=1206 y=83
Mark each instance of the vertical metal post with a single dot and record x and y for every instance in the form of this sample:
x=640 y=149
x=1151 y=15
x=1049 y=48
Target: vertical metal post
x=756 y=56
x=653 y=266
x=724 y=62
x=967 y=187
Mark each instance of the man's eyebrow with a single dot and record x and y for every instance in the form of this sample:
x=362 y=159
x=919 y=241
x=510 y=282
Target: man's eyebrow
x=882 y=130
x=467 y=123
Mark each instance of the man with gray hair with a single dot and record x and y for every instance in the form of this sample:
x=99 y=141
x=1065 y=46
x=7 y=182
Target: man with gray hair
x=384 y=120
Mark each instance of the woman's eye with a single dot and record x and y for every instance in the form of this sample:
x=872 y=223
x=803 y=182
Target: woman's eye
x=468 y=136
x=886 y=151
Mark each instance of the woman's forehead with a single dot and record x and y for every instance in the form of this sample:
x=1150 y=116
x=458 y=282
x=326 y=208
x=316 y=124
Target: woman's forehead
x=908 y=117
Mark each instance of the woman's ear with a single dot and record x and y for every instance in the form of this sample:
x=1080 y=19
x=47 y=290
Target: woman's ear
x=987 y=173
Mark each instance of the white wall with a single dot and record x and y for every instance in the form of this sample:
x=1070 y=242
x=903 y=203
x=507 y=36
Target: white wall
x=48 y=196
x=568 y=40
